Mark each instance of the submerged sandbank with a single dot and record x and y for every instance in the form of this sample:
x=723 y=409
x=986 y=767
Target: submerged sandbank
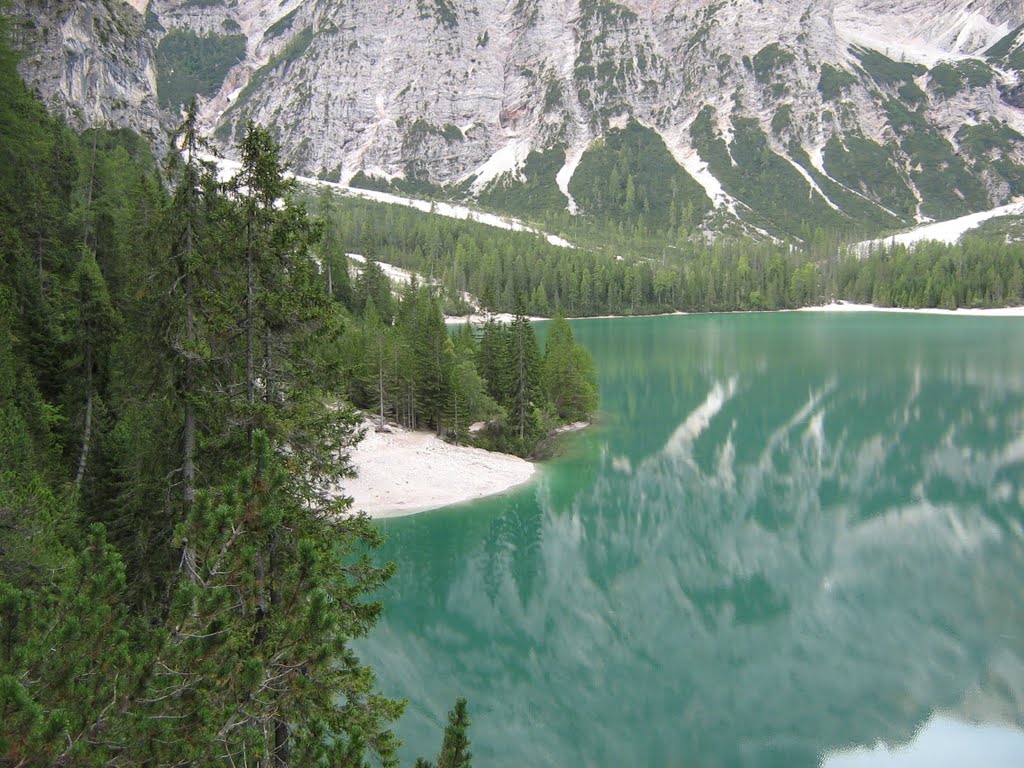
x=402 y=472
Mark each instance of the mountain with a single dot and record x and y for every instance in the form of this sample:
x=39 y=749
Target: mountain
x=93 y=63
x=778 y=116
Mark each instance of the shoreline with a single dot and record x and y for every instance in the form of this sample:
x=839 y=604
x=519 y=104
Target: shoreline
x=835 y=306
x=844 y=306
x=404 y=472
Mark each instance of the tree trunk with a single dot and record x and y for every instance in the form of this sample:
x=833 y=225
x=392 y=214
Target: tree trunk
x=189 y=431
x=268 y=367
x=83 y=457
x=282 y=745
x=250 y=327
x=380 y=380
x=521 y=404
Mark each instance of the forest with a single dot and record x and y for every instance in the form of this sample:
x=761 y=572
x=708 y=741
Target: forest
x=612 y=273
x=181 y=373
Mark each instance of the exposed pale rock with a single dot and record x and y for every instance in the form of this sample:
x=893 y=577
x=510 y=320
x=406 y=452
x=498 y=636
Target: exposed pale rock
x=388 y=88
x=92 y=62
x=454 y=91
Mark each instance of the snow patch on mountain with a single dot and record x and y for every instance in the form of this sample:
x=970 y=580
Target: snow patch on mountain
x=903 y=31
x=565 y=174
x=691 y=162
x=812 y=183
x=508 y=159
x=227 y=168
x=943 y=231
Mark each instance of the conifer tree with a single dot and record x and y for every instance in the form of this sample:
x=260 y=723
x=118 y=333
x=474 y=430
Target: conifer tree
x=93 y=324
x=256 y=664
x=455 y=747
x=568 y=377
x=525 y=361
x=455 y=744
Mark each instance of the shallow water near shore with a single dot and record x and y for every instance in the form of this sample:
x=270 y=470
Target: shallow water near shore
x=789 y=540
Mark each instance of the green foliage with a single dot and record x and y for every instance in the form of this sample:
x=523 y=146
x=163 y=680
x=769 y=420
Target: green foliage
x=631 y=178
x=949 y=78
x=455 y=747
x=977 y=272
x=870 y=169
x=1004 y=45
x=832 y=82
x=442 y=11
x=71 y=706
x=422 y=130
x=214 y=627
x=750 y=171
x=373 y=287
x=936 y=167
x=281 y=26
x=552 y=94
x=153 y=21
x=532 y=193
x=992 y=147
x=872 y=216
x=568 y=376
x=189 y=65
x=912 y=95
x=770 y=61
x=606 y=12
x=615 y=273
x=298 y=45
x=604 y=73
x=209 y=620
x=783 y=119
x=884 y=70
x=509 y=363
x=412 y=185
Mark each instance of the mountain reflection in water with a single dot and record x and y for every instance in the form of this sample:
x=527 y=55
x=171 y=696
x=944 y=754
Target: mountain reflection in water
x=788 y=540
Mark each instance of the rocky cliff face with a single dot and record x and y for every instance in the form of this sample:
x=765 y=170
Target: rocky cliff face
x=860 y=113
x=92 y=62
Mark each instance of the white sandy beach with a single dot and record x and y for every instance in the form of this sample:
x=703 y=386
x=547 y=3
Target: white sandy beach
x=403 y=472
x=843 y=306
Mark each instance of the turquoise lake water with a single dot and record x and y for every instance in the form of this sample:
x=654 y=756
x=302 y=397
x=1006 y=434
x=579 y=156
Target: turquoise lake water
x=790 y=540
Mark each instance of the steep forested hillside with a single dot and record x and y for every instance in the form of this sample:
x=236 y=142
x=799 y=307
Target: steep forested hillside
x=176 y=585
x=616 y=270
x=178 y=363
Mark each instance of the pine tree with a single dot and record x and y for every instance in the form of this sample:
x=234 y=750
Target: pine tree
x=525 y=362
x=434 y=358
x=568 y=377
x=374 y=285
x=68 y=708
x=455 y=747
x=455 y=744
x=256 y=664
x=93 y=323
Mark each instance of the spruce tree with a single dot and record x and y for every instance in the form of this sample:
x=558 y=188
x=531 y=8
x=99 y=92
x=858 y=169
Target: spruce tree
x=256 y=664
x=455 y=747
x=568 y=377
x=525 y=376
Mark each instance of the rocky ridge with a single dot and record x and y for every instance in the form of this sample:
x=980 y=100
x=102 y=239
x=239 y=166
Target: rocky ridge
x=92 y=62
x=860 y=114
